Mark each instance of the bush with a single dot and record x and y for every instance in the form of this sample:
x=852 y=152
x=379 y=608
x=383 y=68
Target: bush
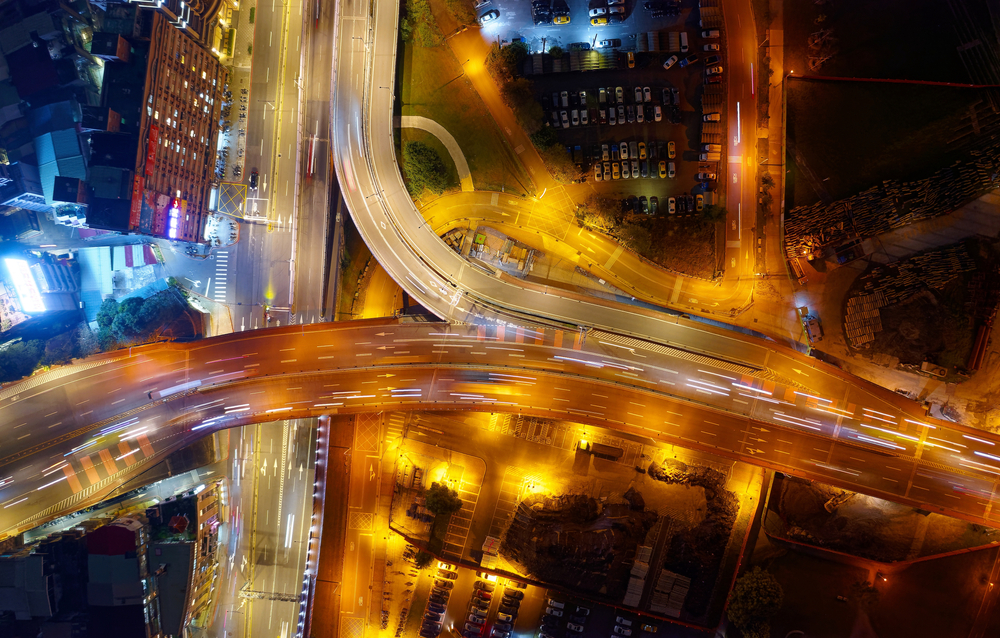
x=544 y=138
x=418 y=25
x=519 y=95
x=423 y=169
x=19 y=359
x=756 y=597
x=556 y=52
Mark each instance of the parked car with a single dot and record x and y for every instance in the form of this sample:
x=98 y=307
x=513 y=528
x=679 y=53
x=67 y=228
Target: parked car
x=691 y=59
x=621 y=114
x=475 y=629
x=563 y=19
x=599 y=22
x=647 y=95
x=705 y=177
x=671 y=205
x=663 y=170
x=672 y=60
x=612 y=117
x=633 y=150
x=476 y=620
x=584 y=116
x=670 y=170
x=436 y=607
x=599 y=11
x=700 y=207
x=574 y=627
x=657 y=113
x=654 y=205
x=631 y=61
x=623 y=150
x=710 y=33
x=711 y=117
x=446 y=574
x=446 y=566
x=714 y=70
x=432 y=615
x=551 y=611
x=710 y=47
x=443 y=584
x=583 y=611
x=603 y=116
x=671 y=150
x=510 y=602
x=489 y=16
x=616 y=13
x=564 y=98
x=602 y=94
x=713 y=79
x=610 y=43
x=635 y=169
x=505 y=617
x=676 y=95
x=625 y=622
x=605 y=156
x=713 y=60
x=639 y=113
x=507 y=610
x=598 y=173
x=503 y=626
x=615 y=172
x=564 y=118
x=253 y=179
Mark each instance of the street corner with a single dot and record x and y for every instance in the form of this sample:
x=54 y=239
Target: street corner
x=221 y=231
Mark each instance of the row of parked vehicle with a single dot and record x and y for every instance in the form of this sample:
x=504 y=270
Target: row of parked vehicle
x=615 y=96
x=556 y=614
x=437 y=602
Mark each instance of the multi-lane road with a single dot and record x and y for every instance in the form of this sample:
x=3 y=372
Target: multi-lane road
x=93 y=425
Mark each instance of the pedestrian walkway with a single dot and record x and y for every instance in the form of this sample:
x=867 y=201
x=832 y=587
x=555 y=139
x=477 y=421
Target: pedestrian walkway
x=446 y=138
x=221 y=273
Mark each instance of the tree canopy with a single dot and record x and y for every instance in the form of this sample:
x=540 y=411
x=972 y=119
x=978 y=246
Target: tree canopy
x=135 y=320
x=19 y=359
x=442 y=500
x=756 y=597
x=423 y=169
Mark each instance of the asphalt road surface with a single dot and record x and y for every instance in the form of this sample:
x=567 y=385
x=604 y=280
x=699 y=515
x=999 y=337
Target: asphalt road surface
x=93 y=425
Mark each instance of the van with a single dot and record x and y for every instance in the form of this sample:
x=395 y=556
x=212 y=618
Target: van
x=710 y=33
x=711 y=117
x=556 y=604
x=710 y=157
x=684 y=42
x=712 y=148
x=633 y=150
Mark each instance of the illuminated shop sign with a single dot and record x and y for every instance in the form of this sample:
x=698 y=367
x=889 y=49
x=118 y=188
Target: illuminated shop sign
x=24 y=283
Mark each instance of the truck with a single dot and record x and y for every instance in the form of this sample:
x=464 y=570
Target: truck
x=601 y=451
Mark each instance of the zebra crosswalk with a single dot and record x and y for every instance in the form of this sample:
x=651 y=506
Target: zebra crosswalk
x=221 y=272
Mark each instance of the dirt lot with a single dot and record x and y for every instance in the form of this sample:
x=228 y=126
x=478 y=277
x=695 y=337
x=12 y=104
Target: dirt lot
x=870 y=527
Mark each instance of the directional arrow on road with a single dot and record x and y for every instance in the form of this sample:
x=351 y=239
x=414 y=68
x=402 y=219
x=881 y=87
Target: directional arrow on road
x=384 y=347
x=263 y=467
x=385 y=376
x=800 y=372
x=382 y=334
x=300 y=471
x=371 y=472
x=275 y=467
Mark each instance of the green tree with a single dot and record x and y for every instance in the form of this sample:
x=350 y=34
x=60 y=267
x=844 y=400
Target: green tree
x=423 y=169
x=442 y=500
x=519 y=95
x=756 y=597
x=106 y=314
x=422 y=559
x=556 y=52
x=128 y=324
x=60 y=349
x=19 y=359
x=544 y=138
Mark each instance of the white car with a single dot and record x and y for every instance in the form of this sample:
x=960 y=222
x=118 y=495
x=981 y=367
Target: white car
x=572 y=626
x=565 y=119
x=623 y=150
x=584 y=118
x=647 y=95
x=710 y=47
x=598 y=173
x=576 y=117
x=638 y=94
x=599 y=11
x=446 y=566
x=623 y=621
x=605 y=154
x=622 y=631
x=552 y=611
x=705 y=177
x=672 y=60
x=657 y=113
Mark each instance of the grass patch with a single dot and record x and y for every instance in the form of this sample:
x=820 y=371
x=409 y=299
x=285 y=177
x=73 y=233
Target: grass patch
x=408 y=135
x=682 y=245
x=854 y=135
x=434 y=86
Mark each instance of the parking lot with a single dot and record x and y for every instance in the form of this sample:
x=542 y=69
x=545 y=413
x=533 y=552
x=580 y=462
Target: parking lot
x=671 y=110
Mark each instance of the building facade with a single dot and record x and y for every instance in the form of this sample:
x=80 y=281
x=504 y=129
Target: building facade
x=178 y=133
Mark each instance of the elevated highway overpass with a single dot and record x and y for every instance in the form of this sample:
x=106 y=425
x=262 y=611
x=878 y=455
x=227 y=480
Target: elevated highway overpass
x=73 y=435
